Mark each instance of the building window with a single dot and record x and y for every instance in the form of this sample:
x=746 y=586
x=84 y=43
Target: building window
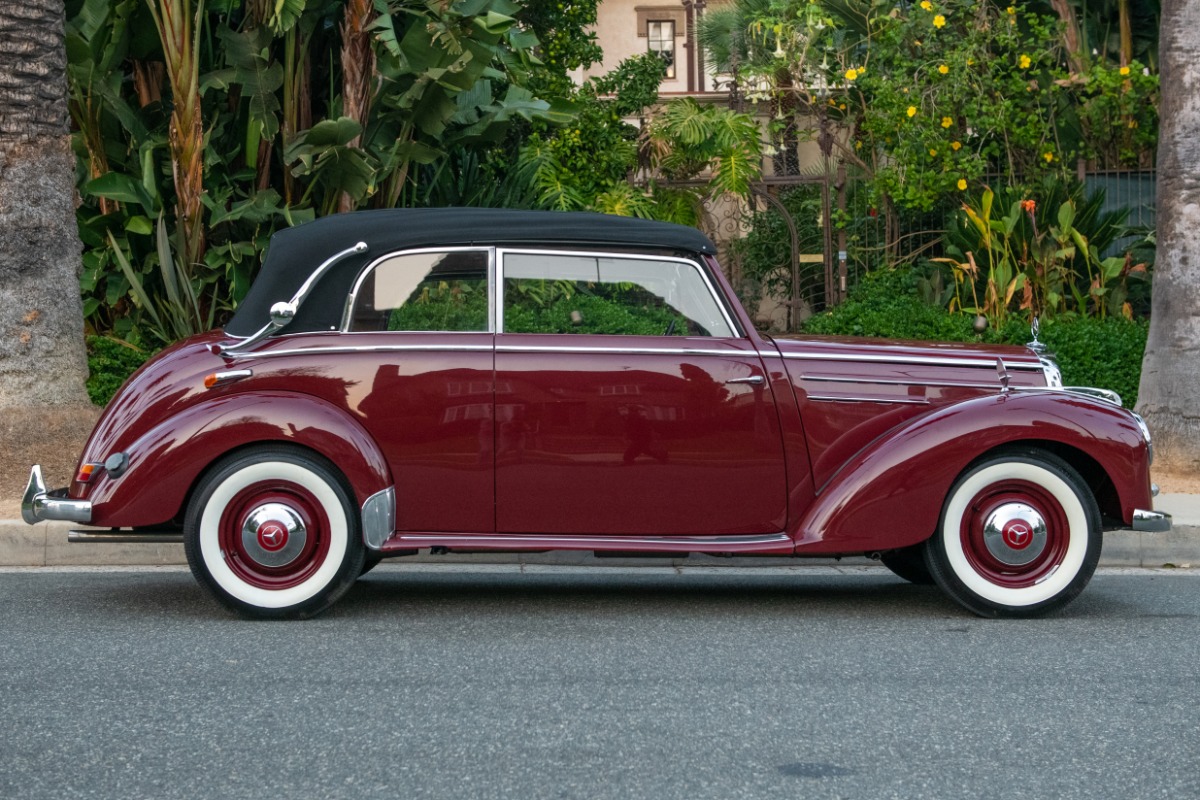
x=661 y=37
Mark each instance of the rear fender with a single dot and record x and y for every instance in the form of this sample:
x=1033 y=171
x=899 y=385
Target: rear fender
x=166 y=462
x=891 y=493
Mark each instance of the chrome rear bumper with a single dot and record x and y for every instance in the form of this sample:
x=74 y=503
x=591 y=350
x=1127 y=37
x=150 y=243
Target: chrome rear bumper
x=1151 y=521
x=38 y=505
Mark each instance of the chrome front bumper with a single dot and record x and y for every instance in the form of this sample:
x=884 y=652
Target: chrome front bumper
x=1151 y=521
x=38 y=505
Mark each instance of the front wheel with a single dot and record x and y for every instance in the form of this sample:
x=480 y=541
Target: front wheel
x=272 y=533
x=1019 y=536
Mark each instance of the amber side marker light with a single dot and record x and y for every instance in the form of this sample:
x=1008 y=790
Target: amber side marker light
x=86 y=472
x=220 y=378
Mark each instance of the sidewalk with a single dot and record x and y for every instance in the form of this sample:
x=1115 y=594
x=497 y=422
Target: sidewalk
x=46 y=544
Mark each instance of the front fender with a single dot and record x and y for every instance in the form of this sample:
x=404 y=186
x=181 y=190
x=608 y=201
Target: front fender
x=890 y=494
x=167 y=460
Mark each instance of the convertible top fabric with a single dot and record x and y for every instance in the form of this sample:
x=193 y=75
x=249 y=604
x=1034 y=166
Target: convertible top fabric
x=295 y=253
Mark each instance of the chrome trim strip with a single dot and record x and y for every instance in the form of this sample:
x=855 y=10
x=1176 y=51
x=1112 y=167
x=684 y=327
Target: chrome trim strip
x=652 y=351
x=1107 y=395
x=379 y=518
x=668 y=542
x=103 y=536
x=348 y=310
x=940 y=361
x=721 y=306
x=893 y=382
x=1151 y=521
x=228 y=375
x=382 y=348
x=847 y=399
x=38 y=506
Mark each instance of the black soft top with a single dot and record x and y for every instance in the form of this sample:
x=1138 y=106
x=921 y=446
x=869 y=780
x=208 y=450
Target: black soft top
x=294 y=253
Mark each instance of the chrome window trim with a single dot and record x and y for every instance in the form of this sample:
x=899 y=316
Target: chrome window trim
x=937 y=361
x=905 y=401
x=348 y=310
x=895 y=382
x=382 y=348
x=635 y=351
x=502 y=252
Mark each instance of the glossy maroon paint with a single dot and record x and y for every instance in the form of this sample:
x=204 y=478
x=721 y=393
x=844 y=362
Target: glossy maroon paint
x=890 y=494
x=647 y=440
x=524 y=441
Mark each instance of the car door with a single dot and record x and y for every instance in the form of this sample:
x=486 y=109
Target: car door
x=423 y=319
x=628 y=402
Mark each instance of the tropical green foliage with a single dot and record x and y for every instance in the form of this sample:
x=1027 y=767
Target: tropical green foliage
x=587 y=164
x=203 y=127
x=1039 y=256
x=929 y=97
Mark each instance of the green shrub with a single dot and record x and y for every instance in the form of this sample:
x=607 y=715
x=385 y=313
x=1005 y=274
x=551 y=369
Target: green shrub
x=885 y=303
x=110 y=363
x=1106 y=353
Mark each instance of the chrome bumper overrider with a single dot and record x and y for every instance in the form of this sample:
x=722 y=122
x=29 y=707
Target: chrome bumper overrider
x=1151 y=521
x=38 y=505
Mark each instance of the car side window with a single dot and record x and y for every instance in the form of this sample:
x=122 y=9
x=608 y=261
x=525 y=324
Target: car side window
x=435 y=291
x=566 y=293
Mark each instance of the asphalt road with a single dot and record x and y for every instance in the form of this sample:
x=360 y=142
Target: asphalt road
x=609 y=683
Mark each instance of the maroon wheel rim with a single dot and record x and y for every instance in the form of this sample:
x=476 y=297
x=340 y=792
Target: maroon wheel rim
x=998 y=527
x=250 y=563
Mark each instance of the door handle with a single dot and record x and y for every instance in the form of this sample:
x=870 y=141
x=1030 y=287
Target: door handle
x=753 y=380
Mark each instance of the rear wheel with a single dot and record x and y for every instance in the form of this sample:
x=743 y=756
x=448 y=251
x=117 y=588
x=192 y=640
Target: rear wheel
x=272 y=532
x=1019 y=536
x=908 y=563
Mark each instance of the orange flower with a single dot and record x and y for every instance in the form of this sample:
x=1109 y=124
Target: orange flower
x=1028 y=206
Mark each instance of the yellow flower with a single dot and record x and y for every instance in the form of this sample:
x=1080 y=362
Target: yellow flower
x=851 y=74
x=925 y=4
x=932 y=152
x=944 y=69
x=1048 y=156
x=1024 y=61
x=955 y=146
x=947 y=122
x=858 y=145
x=1012 y=11
x=842 y=106
x=962 y=184
x=1124 y=70
x=939 y=21
x=912 y=111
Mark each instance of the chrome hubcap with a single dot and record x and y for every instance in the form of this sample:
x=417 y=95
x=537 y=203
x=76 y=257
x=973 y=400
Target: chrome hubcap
x=273 y=535
x=1015 y=534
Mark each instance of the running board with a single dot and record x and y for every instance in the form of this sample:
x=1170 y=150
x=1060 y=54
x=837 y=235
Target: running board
x=769 y=544
x=118 y=536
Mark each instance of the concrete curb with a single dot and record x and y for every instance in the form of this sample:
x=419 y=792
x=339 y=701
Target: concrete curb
x=46 y=545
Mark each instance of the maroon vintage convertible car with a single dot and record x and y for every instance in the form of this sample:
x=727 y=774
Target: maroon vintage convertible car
x=518 y=381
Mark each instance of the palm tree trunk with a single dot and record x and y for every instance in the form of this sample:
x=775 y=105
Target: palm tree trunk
x=358 y=72
x=1167 y=397
x=42 y=361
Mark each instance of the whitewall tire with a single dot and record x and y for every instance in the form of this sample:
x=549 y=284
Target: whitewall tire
x=272 y=532
x=1019 y=535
